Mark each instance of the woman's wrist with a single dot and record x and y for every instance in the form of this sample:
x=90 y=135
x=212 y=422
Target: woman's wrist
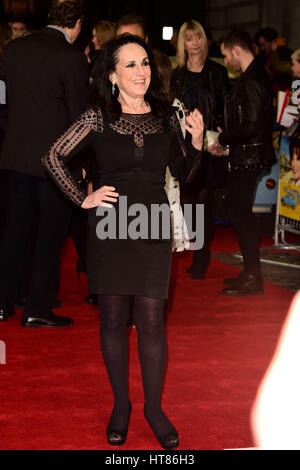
x=197 y=144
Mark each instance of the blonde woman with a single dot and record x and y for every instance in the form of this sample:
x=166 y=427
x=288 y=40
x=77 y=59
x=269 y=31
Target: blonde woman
x=201 y=83
x=296 y=63
x=103 y=32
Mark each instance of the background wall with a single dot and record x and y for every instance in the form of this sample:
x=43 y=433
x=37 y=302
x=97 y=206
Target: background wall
x=284 y=16
x=216 y=15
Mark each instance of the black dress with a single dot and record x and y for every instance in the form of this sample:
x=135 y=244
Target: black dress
x=132 y=154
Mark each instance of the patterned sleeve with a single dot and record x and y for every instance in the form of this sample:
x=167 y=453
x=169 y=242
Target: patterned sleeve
x=185 y=159
x=68 y=144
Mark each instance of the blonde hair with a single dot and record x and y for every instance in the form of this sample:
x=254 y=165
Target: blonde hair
x=296 y=55
x=181 y=55
x=105 y=31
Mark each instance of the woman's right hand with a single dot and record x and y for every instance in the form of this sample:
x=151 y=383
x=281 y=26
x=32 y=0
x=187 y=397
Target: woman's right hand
x=98 y=198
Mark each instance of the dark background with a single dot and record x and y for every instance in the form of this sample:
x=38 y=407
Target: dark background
x=215 y=15
x=158 y=13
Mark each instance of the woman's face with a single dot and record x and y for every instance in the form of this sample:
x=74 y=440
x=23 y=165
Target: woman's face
x=295 y=164
x=133 y=73
x=296 y=68
x=193 y=42
x=95 y=40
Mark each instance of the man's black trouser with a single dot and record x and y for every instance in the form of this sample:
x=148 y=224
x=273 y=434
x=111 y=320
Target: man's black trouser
x=31 y=207
x=242 y=185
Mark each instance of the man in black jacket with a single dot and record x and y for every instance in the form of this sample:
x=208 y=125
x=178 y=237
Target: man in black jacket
x=47 y=87
x=248 y=133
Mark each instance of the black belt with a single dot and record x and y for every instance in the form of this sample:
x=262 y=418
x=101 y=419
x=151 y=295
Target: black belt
x=245 y=146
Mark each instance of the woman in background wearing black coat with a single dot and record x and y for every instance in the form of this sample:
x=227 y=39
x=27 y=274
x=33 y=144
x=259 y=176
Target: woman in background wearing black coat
x=201 y=83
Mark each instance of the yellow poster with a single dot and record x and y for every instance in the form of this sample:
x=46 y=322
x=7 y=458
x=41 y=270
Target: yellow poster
x=289 y=201
x=289 y=178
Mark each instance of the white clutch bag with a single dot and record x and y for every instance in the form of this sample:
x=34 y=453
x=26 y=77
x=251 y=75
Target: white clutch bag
x=210 y=137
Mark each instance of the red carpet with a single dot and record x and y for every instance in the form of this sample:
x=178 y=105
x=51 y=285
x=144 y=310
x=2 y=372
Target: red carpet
x=54 y=389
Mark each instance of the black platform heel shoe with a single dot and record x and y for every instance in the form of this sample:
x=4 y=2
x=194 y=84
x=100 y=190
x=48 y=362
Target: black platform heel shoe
x=117 y=437
x=168 y=439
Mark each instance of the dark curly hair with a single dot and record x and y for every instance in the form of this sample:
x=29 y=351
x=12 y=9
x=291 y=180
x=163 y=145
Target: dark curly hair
x=102 y=89
x=65 y=14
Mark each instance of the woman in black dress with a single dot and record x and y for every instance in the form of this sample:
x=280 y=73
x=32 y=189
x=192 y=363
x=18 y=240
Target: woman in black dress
x=135 y=136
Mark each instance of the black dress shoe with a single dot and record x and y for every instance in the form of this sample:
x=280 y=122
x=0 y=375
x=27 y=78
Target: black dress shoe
x=5 y=313
x=249 y=284
x=51 y=320
x=230 y=281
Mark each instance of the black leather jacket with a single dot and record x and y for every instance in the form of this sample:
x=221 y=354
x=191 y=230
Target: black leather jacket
x=249 y=120
x=208 y=89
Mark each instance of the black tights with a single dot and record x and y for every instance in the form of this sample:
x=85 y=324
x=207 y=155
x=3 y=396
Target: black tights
x=148 y=317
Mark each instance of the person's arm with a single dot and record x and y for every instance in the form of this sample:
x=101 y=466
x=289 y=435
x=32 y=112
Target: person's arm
x=251 y=114
x=70 y=143
x=185 y=155
x=275 y=413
